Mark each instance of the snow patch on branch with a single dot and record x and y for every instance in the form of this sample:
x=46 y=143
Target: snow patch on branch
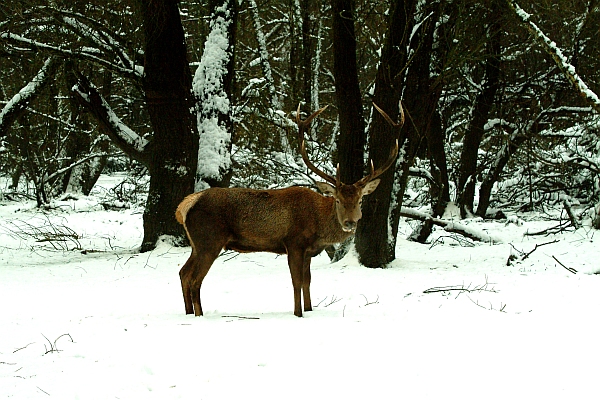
x=122 y=130
x=27 y=91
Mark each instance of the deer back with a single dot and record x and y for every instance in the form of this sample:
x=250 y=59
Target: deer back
x=261 y=220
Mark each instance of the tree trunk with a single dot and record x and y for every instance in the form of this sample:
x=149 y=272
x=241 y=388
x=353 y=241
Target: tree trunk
x=374 y=240
x=422 y=96
x=172 y=152
x=352 y=138
x=485 y=190
x=483 y=105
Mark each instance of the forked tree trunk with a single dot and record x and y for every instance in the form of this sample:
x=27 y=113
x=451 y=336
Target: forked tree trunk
x=481 y=110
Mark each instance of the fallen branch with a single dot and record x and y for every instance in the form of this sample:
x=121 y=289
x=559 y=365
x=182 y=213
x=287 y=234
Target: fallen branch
x=53 y=347
x=462 y=289
x=502 y=306
x=536 y=247
x=238 y=317
x=561 y=227
x=450 y=226
x=334 y=300
x=368 y=303
x=571 y=270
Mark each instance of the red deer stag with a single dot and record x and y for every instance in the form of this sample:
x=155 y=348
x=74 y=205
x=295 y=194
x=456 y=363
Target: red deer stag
x=295 y=221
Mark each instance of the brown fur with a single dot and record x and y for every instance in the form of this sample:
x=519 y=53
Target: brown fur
x=294 y=221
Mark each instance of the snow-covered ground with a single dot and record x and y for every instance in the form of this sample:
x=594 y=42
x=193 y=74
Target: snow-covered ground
x=109 y=323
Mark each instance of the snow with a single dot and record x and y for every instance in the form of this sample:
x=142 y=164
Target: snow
x=110 y=324
x=214 y=156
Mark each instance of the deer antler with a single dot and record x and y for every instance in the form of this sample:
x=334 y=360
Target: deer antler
x=302 y=126
x=390 y=161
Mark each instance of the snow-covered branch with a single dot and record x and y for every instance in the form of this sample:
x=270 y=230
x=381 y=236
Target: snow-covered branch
x=20 y=101
x=559 y=58
x=88 y=54
x=450 y=226
x=125 y=138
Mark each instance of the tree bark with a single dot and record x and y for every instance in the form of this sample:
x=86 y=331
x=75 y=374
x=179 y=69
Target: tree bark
x=422 y=96
x=374 y=240
x=172 y=151
x=485 y=190
x=483 y=105
x=352 y=138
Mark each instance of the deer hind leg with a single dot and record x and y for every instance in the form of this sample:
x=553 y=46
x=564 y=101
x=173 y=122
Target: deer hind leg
x=201 y=267
x=306 y=284
x=296 y=264
x=185 y=274
x=193 y=272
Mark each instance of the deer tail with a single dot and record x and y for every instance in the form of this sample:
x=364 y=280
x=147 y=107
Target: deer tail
x=185 y=206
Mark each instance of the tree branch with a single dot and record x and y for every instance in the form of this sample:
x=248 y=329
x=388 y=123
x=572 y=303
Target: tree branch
x=450 y=226
x=557 y=55
x=126 y=139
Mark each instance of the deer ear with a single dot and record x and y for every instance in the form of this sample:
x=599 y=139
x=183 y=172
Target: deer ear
x=326 y=188
x=370 y=187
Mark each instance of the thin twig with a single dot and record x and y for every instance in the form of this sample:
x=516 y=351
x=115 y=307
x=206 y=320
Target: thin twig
x=368 y=303
x=571 y=270
x=536 y=247
x=238 y=317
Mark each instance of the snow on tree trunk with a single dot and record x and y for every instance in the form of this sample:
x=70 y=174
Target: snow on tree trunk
x=214 y=120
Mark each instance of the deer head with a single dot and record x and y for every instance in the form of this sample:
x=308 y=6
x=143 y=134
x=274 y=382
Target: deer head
x=348 y=197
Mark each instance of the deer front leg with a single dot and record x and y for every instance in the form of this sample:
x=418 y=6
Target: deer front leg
x=296 y=264
x=306 y=284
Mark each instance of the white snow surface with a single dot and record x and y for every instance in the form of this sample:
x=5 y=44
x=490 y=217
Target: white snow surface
x=110 y=324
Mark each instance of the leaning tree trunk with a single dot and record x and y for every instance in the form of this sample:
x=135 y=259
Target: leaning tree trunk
x=374 y=240
x=83 y=177
x=173 y=149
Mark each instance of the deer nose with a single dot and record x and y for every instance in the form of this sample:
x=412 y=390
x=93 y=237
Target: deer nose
x=349 y=225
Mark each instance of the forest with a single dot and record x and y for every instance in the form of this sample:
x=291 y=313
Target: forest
x=499 y=102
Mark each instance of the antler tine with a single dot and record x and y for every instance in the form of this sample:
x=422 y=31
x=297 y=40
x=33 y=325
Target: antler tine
x=390 y=161
x=302 y=124
x=376 y=172
x=389 y=119
x=312 y=167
